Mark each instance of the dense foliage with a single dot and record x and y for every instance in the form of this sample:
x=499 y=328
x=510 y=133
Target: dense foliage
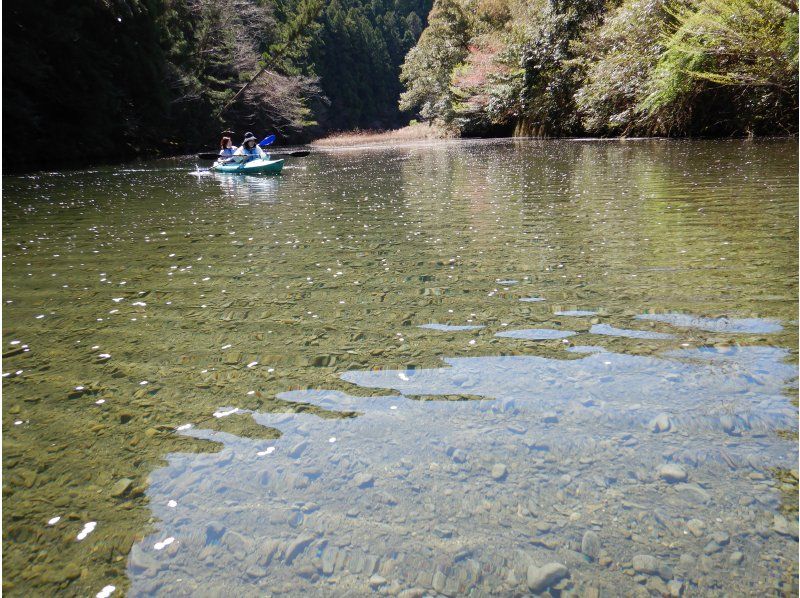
x=105 y=79
x=112 y=78
x=79 y=76
x=552 y=67
x=358 y=55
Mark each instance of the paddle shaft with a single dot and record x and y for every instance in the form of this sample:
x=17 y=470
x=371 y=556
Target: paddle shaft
x=215 y=155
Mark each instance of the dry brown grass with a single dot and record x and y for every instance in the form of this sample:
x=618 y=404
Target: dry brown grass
x=413 y=132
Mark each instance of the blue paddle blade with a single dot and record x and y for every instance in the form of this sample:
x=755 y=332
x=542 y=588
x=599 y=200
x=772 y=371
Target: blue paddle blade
x=267 y=140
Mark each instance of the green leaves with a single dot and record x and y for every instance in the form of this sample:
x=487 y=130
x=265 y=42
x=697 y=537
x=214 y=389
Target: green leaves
x=664 y=67
x=428 y=67
x=733 y=54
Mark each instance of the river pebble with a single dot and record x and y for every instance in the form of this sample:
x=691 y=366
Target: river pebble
x=672 y=473
x=590 y=545
x=661 y=423
x=541 y=578
x=650 y=565
x=696 y=527
x=499 y=471
x=784 y=527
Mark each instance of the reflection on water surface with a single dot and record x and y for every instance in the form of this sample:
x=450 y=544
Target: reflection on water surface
x=140 y=300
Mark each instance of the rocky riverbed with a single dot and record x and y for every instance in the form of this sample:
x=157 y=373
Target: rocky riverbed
x=595 y=474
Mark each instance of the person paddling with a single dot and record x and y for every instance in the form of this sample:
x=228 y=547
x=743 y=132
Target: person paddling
x=249 y=150
x=226 y=147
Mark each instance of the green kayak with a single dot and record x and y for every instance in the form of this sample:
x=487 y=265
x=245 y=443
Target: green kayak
x=256 y=166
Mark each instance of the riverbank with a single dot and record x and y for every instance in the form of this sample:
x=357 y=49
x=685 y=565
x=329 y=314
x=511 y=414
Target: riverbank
x=413 y=132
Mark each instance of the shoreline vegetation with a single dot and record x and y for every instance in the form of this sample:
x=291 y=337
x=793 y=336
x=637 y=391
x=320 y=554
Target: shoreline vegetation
x=412 y=132
x=416 y=132
x=112 y=81
x=550 y=68
x=164 y=79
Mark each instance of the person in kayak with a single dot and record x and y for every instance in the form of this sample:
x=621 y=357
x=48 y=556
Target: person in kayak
x=249 y=150
x=226 y=147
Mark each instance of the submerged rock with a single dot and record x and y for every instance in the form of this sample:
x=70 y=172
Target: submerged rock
x=736 y=558
x=296 y=547
x=661 y=423
x=140 y=560
x=650 y=565
x=376 y=581
x=121 y=487
x=672 y=473
x=499 y=471
x=590 y=545
x=696 y=527
x=721 y=538
x=550 y=417
x=693 y=492
x=541 y=578
x=675 y=588
x=728 y=424
x=364 y=480
x=784 y=527
x=298 y=449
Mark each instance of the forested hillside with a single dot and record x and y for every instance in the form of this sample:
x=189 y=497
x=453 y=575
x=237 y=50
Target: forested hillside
x=607 y=67
x=107 y=79
x=358 y=54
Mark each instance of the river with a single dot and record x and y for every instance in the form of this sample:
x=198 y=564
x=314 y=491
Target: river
x=459 y=368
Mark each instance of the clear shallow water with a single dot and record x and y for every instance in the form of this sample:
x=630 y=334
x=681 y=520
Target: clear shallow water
x=753 y=325
x=536 y=334
x=470 y=493
x=168 y=297
x=613 y=331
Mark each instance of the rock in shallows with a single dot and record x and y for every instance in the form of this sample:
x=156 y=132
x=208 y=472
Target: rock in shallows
x=644 y=563
x=541 y=578
x=728 y=424
x=721 y=538
x=693 y=492
x=650 y=565
x=364 y=480
x=121 y=487
x=296 y=547
x=696 y=526
x=736 y=558
x=675 y=589
x=672 y=473
x=439 y=580
x=499 y=471
x=376 y=581
x=590 y=545
x=785 y=528
x=661 y=423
